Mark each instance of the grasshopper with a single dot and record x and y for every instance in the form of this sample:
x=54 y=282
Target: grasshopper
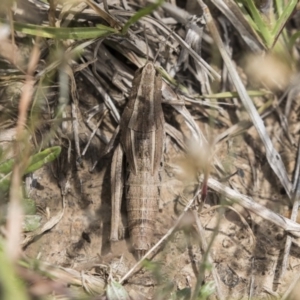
x=142 y=140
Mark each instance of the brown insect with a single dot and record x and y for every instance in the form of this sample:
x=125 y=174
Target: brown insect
x=142 y=139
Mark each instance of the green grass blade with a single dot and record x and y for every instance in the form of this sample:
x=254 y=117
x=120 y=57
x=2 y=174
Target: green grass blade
x=262 y=25
x=171 y=80
x=115 y=291
x=255 y=13
x=293 y=39
x=6 y=166
x=29 y=206
x=246 y=15
x=234 y=94
x=75 y=33
x=12 y=287
x=206 y=290
x=31 y=223
x=141 y=13
x=36 y=162
x=5 y=183
x=279 y=6
x=283 y=18
x=41 y=158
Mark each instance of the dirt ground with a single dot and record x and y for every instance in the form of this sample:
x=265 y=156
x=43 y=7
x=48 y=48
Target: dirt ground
x=247 y=251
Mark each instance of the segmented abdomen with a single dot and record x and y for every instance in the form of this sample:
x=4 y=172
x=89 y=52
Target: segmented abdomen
x=142 y=197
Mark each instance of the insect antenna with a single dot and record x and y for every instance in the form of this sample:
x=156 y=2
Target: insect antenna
x=147 y=44
x=161 y=47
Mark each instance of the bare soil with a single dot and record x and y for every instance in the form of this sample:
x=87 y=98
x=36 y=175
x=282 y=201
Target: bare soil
x=247 y=250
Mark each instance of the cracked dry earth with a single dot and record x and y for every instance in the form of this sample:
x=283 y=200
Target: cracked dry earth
x=246 y=250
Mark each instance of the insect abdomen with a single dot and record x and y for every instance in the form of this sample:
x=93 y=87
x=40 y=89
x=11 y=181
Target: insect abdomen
x=142 y=198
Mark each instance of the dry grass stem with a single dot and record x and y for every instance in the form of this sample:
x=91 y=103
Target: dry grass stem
x=14 y=215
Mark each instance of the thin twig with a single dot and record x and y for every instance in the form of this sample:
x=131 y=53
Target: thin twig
x=94 y=131
x=75 y=130
x=296 y=203
x=207 y=257
x=107 y=99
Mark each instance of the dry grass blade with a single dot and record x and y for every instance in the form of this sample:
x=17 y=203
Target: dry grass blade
x=75 y=129
x=210 y=71
x=233 y=130
x=94 y=285
x=247 y=202
x=296 y=204
x=117 y=184
x=206 y=249
x=170 y=95
x=273 y=156
x=240 y=216
x=176 y=135
x=47 y=226
x=103 y=114
x=230 y=9
x=69 y=11
x=107 y=99
x=103 y=14
x=179 y=14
